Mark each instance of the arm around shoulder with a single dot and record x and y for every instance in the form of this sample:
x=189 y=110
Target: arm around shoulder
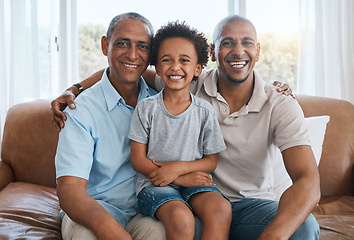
x=67 y=99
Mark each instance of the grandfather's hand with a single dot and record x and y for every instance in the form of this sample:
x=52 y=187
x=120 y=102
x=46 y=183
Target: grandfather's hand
x=284 y=88
x=58 y=106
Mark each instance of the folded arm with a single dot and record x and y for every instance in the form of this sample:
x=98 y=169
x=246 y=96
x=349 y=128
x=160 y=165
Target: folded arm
x=170 y=171
x=297 y=201
x=140 y=162
x=164 y=173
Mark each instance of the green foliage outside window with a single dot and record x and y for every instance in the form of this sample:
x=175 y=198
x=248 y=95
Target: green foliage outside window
x=91 y=57
x=278 y=58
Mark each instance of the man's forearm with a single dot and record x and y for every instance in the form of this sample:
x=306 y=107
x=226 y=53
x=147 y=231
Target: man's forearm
x=297 y=201
x=92 y=79
x=295 y=205
x=83 y=209
x=86 y=83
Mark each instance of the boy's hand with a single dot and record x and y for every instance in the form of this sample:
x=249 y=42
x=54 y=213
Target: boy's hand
x=194 y=179
x=165 y=174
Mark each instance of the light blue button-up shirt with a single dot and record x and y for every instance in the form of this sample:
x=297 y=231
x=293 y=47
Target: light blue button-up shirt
x=94 y=145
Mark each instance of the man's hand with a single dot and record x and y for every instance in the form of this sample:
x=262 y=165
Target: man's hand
x=166 y=173
x=194 y=179
x=284 y=88
x=111 y=231
x=58 y=106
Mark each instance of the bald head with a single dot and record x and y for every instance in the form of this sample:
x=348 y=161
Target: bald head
x=234 y=18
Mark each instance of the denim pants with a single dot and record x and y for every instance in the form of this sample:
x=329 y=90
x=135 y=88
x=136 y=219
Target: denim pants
x=250 y=217
x=152 y=197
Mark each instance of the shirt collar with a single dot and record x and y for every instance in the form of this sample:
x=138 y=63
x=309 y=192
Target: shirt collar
x=258 y=98
x=211 y=87
x=113 y=98
x=145 y=90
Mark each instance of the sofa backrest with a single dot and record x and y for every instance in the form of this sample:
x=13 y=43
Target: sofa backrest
x=29 y=142
x=337 y=159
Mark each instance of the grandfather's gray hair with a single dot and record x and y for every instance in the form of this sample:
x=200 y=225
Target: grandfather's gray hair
x=125 y=16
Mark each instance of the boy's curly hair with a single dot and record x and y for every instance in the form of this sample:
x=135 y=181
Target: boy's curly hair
x=177 y=29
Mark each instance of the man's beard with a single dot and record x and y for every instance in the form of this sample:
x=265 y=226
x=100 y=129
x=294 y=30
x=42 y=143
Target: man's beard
x=237 y=81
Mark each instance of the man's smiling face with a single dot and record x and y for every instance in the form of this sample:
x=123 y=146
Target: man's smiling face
x=236 y=51
x=128 y=50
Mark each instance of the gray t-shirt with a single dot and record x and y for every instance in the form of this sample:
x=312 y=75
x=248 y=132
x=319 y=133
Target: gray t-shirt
x=185 y=137
x=270 y=120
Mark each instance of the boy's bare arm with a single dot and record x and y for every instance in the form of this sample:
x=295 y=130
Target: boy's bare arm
x=194 y=179
x=85 y=210
x=140 y=162
x=170 y=171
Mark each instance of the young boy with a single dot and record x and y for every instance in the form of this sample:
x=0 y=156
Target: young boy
x=175 y=133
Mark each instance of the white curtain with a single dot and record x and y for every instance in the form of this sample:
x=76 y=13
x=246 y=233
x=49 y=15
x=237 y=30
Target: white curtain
x=19 y=60
x=34 y=50
x=326 y=49
x=3 y=84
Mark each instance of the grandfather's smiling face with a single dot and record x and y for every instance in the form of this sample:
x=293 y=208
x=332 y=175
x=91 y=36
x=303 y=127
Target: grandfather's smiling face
x=235 y=50
x=128 y=50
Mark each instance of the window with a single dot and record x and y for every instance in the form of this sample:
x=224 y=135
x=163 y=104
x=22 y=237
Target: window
x=48 y=47
x=277 y=24
x=95 y=16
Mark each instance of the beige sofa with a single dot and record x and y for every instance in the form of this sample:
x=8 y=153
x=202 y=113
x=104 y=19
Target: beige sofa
x=29 y=206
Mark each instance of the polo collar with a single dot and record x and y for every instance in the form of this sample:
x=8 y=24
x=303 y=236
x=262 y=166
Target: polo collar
x=113 y=98
x=258 y=98
x=211 y=87
x=259 y=95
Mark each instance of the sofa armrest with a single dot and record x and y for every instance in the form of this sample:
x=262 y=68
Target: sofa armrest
x=353 y=181
x=6 y=174
x=29 y=143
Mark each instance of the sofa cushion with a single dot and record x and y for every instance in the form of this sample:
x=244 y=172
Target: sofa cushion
x=29 y=211
x=316 y=129
x=337 y=205
x=335 y=227
x=335 y=217
x=337 y=158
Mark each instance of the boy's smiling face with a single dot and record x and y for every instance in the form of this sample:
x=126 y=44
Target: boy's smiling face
x=177 y=63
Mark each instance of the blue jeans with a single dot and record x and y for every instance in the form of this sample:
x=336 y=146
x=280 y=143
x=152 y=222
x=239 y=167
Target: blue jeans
x=251 y=216
x=152 y=197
